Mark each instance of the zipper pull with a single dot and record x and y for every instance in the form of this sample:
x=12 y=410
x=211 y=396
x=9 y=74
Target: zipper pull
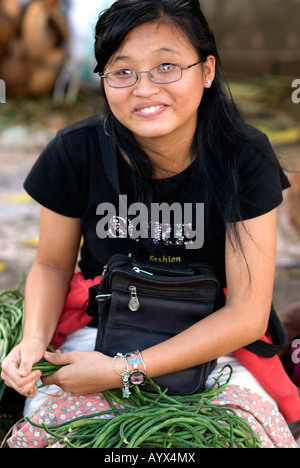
x=103 y=297
x=134 y=304
x=138 y=270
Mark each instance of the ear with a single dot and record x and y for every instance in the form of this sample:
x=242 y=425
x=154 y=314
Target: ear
x=209 y=71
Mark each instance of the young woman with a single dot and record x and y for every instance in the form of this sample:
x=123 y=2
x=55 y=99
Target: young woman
x=179 y=138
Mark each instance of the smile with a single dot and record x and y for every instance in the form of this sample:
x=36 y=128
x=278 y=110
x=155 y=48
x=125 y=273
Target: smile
x=150 y=110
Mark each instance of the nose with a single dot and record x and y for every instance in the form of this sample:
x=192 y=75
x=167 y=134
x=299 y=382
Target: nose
x=144 y=85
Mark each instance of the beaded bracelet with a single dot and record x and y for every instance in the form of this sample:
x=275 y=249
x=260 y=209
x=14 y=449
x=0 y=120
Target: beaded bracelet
x=131 y=377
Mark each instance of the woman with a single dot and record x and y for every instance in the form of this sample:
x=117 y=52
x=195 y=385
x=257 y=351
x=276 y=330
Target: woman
x=179 y=138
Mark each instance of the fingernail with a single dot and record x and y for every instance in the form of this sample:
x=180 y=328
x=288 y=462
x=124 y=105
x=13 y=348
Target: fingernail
x=47 y=354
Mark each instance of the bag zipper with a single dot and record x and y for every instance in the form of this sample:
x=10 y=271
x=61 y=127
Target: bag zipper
x=134 y=303
x=138 y=270
x=135 y=292
x=130 y=267
x=103 y=297
x=161 y=283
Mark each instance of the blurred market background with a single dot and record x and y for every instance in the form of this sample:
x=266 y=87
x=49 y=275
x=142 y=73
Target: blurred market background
x=46 y=61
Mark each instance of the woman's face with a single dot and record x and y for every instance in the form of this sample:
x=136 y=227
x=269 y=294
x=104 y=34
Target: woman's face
x=155 y=111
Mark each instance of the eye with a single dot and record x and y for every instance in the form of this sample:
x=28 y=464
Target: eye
x=166 y=67
x=125 y=73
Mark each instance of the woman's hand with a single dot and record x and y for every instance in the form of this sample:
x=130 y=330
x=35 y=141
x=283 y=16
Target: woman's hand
x=16 y=367
x=83 y=372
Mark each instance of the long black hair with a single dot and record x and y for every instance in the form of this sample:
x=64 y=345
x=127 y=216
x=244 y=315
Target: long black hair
x=220 y=130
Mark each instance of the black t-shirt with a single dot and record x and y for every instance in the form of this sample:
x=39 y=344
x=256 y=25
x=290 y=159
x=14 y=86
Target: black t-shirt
x=72 y=177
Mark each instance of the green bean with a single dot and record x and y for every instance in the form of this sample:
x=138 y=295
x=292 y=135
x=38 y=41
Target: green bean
x=144 y=422
x=11 y=324
x=11 y=329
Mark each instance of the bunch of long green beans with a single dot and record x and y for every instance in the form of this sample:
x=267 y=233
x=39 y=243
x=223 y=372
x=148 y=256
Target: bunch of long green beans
x=11 y=330
x=11 y=324
x=154 y=420
x=157 y=420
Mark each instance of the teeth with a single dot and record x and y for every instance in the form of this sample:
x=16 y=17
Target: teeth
x=150 y=110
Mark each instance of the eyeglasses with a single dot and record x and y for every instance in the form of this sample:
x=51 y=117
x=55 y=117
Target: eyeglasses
x=164 y=74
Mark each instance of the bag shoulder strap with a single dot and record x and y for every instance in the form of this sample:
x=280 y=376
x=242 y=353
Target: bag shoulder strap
x=109 y=156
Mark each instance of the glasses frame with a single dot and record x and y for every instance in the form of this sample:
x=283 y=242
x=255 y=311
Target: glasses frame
x=137 y=75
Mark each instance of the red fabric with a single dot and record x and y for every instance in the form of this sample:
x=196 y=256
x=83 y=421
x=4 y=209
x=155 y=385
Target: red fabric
x=74 y=314
x=271 y=374
x=268 y=371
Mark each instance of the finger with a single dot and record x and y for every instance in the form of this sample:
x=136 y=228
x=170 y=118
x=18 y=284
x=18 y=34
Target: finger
x=10 y=368
x=51 y=380
x=23 y=385
x=58 y=358
x=10 y=361
x=24 y=368
x=34 y=387
x=24 y=365
x=30 y=390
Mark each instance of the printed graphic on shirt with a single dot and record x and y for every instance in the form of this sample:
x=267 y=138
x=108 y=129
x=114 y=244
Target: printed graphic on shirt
x=165 y=259
x=174 y=224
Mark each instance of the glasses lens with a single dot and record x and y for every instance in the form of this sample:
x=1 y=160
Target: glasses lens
x=166 y=73
x=121 y=78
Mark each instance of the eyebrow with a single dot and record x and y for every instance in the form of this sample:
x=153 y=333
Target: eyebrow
x=167 y=49
x=119 y=58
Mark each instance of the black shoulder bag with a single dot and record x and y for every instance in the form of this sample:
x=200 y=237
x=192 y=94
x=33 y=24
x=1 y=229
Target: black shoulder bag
x=141 y=304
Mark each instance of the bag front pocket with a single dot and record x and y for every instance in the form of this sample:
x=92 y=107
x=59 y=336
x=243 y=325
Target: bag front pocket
x=139 y=309
x=124 y=330
x=124 y=325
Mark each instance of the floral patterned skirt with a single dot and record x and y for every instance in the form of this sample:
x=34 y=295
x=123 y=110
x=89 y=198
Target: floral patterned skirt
x=244 y=395
x=264 y=419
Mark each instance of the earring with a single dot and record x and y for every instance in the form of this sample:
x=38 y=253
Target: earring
x=208 y=82
x=104 y=125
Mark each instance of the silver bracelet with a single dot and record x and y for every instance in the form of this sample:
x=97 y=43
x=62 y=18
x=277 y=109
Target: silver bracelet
x=133 y=377
x=124 y=374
